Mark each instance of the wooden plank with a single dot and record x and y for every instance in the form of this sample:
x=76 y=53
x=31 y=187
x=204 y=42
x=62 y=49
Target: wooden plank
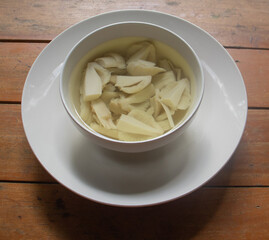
x=33 y=211
x=248 y=166
x=233 y=23
x=253 y=65
x=15 y=62
x=16 y=59
x=17 y=161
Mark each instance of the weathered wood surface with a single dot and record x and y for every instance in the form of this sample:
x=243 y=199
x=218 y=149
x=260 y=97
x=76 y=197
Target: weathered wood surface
x=49 y=211
x=234 y=23
x=233 y=205
x=253 y=65
x=17 y=58
x=248 y=166
x=17 y=161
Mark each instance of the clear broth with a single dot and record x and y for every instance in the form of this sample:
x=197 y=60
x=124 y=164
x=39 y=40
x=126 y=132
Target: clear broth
x=120 y=45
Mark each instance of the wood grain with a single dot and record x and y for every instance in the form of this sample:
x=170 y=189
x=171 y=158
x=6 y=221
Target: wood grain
x=248 y=166
x=17 y=161
x=233 y=23
x=253 y=65
x=233 y=205
x=33 y=211
x=16 y=60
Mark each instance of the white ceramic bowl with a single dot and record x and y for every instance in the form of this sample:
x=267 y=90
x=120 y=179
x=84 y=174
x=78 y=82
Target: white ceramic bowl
x=130 y=29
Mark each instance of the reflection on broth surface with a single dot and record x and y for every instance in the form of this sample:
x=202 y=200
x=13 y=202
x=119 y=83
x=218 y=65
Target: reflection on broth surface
x=132 y=89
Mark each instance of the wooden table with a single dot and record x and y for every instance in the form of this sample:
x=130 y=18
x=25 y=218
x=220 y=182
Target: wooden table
x=234 y=205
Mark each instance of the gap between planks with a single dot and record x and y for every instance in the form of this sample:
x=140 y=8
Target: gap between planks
x=19 y=102
x=10 y=102
x=48 y=41
x=258 y=108
x=205 y=186
x=24 y=41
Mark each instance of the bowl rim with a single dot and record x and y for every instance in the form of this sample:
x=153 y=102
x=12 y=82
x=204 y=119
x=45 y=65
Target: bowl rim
x=172 y=131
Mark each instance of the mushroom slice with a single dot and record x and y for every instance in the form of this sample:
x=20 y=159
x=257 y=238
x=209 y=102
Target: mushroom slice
x=127 y=107
x=150 y=110
x=185 y=100
x=108 y=96
x=103 y=73
x=142 y=67
x=113 y=133
x=165 y=125
x=113 y=79
x=132 y=84
x=112 y=60
x=142 y=106
x=152 y=53
x=162 y=79
x=92 y=85
x=85 y=111
x=178 y=73
x=155 y=103
x=128 y=81
x=132 y=125
x=171 y=94
x=166 y=64
x=103 y=114
x=115 y=106
x=148 y=54
x=140 y=54
x=169 y=115
x=137 y=88
x=109 y=92
x=109 y=88
x=142 y=95
x=162 y=116
x=118 y=71
x=145 y=117
x=124 y=136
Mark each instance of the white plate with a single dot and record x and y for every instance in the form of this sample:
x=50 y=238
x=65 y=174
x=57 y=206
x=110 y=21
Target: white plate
x=145 y=178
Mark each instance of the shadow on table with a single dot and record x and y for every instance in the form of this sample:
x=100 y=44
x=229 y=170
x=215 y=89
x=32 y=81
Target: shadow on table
x=69 y=216
x=72 y=217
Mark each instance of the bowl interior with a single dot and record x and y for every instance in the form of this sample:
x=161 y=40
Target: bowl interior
x=129 y=29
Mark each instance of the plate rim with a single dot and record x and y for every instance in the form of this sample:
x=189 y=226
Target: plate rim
x=133 y=11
